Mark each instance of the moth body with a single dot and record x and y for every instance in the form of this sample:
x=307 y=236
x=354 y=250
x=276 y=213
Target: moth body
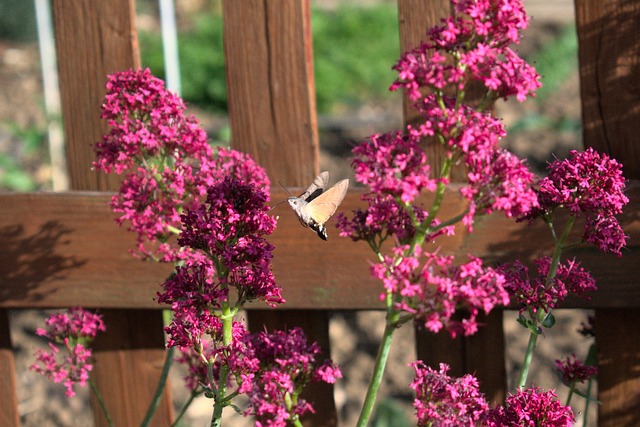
x=315 y=206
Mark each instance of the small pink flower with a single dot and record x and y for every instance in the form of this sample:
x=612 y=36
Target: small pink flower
x=432 y=289
x=444 y=401
x=531 y=407
x=589 y=184
x=573 y=370
x=286 y=364
x=541 y=293
x=70 y=330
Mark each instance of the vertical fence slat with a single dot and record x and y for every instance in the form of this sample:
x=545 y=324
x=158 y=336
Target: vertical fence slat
x=9 y=416
x=464 y=354
x=271 y=93
x=618 y=344
x=272 y=115
x=94 y=39
x=609 y=54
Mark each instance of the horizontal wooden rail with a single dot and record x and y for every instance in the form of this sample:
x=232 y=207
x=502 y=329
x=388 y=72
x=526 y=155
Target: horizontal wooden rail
x=63 y=249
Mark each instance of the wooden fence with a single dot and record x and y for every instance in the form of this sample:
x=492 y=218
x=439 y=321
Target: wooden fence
x=63 y=249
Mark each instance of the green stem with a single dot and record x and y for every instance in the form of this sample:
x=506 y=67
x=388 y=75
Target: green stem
x=184 y=409
x=585 y=419
x=541 y=314
x=571 y=390
x=378 y=371
x=100 y=400
x=421 y=232
x=528 y=356
x=173 y=229
x=227 y=337
x=168 y=360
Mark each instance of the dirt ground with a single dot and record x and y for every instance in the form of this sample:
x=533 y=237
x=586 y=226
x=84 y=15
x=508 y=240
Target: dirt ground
x=354 y=335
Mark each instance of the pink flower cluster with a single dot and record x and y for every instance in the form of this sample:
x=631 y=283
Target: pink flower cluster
x=383 y=218
x=73 y=330
x=146 y=121
x=393 y=164
x=270 y=368
x=531 y=407
x=209 y=354
x=546 y=293
x=471 y=45
x=286 y=364
x=589 y=184
x=477 y=37
x=214 y=201
x=169 y=162
x=432 y=291
x=227 y=233
x=574 y=370
x=444 y=401
x=500 y=182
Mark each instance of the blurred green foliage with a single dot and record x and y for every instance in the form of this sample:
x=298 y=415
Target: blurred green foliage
x=354 y=48
x=201 y=61
x=17 y=20
x=556 y=61
x=389 y=413
x=14 y=176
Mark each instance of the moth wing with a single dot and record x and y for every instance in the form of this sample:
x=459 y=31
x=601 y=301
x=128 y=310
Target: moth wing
x=319 y=183
x=322 y=207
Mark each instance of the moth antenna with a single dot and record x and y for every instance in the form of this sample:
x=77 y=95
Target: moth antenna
x=277 y=204
x=285 y=189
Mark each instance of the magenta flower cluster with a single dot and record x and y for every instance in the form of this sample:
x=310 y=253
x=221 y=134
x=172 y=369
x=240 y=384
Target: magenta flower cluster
x=269 y=368
x=204 y=360
x=589 y=185
x=472 y=45
x=393 y=164
x=205 y=210
x=286 y=363
x=167 y=158
x=72 y=330
x=545 y=293
x=477 y=37
x=444 y=401
x=383 y=218
x=573 y=370
x=434 y=289
x=531 y=407
x=227 y=232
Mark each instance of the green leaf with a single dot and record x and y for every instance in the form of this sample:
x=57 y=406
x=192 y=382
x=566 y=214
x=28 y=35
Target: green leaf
x=549 y=321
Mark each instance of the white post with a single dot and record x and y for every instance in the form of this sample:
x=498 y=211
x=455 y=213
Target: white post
x=59 y=178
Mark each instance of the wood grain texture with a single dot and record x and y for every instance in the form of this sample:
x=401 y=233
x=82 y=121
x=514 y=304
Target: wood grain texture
x=618 y=341
x=9 y=416
x=130 y=352
x=64 y=249
x=270 y=85
x=94 y=39
x=609 y=54
x=272 y=114
x=415 y=17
